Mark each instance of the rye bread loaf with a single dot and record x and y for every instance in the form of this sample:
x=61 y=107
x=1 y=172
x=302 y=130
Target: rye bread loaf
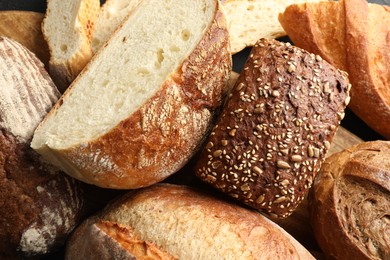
x=167 y=221
x=276 y=128
x=353 y=36
x=39 y=206
x=143 y=105
x=67 y=28
x=350 y=203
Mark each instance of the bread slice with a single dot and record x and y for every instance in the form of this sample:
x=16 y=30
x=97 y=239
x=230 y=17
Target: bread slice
x=250 y=20
x=353 y=36
x=276 y=128
x=178 y=222
x=39 y=205
x=142 y=106
x=25 y=28
x=67 y=28
x=111 y=15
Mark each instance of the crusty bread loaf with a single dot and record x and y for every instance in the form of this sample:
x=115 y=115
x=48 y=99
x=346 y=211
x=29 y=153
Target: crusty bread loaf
x=250 y=20
x=142 y=106
x=39 y=206
x=111 y=15
x=353 y=36
x=276 y=128
x=67 y=28
x=25 y=28
x=177 y=222
x=350 y=203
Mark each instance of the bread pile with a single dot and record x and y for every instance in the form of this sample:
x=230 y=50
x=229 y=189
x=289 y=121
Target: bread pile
x=149 y=99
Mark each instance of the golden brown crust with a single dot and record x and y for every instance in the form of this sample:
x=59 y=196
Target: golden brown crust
x=149 y=145
x=276 y=128
x=261 y=237
x=359 y=44
x=25 y=28
x=350 y=202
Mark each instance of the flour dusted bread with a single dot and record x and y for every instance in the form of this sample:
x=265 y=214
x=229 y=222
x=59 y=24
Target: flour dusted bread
x=25 y=28
x=39 y=206
x=176 y=222
x=67 y=28
x=142 y=106
x=111 y=15
x=275 y=130
x=250 y=20
x=350 y=203
x=353 y=36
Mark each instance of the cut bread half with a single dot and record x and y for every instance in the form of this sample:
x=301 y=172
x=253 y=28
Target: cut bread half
x=112 y=13
x=67 y=28
x=250 y=20
x=142 y=106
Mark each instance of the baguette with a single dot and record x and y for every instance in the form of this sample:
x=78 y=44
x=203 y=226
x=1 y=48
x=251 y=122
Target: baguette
x=134 y=126
x=167 y=221
x=276 y=128
x=39 y=205
x=350 y=203
x=67 y=28
x=353 y=36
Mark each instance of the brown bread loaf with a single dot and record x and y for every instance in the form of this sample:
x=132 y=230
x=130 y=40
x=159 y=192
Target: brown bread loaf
x=167 y=221
x=350 y=203
x=276 y=127
x=39 y=206
x=353 y=36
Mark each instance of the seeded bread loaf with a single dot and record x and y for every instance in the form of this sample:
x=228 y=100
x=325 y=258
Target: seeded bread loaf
x=350 y=203
x=25 y=28
x=39 y=206
x=134 y=126
x=176 y=222
x=276 y=128
x=67 y=28
x=353 y=36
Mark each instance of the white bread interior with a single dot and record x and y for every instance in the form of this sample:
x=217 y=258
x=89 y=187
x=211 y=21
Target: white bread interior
x=124 y=75
x=112 y=13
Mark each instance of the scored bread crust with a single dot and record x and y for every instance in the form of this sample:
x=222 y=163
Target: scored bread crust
x=164 y=132
x=184 y=223
x=276 y=128
x=350 y=203
x=359 y=44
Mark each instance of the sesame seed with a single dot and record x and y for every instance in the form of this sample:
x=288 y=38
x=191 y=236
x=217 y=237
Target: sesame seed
x=209 y=145
x=327 y=145
x=291 y=68
x=232 y=132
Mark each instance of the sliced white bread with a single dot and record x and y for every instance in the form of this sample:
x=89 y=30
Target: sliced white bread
x=250 y=20
x=67 y=28
x=142 y=106
x=111 y=15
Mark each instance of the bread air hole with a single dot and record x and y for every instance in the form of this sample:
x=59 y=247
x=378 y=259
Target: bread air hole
x=160 y=58
x=64 y=48
x=185 y=35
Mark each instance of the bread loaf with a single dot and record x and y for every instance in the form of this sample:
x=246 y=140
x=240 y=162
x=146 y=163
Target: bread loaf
x=25 y=28
x=353 y=36
x=111 y=15
x=276 y=128
x=67 y=28
x=250 y=20
x=176 y=222
x=39 y=206
x=350 y=203
x=142 y=106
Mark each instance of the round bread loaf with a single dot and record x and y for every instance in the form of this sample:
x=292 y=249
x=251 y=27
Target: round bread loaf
x=350 y=203
x=39 y=206
x=168 y=221
x=276 y=128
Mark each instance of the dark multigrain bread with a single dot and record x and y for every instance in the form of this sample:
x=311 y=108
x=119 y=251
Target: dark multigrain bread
x=276 y=128
x=39 y=206
x=350 y=203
